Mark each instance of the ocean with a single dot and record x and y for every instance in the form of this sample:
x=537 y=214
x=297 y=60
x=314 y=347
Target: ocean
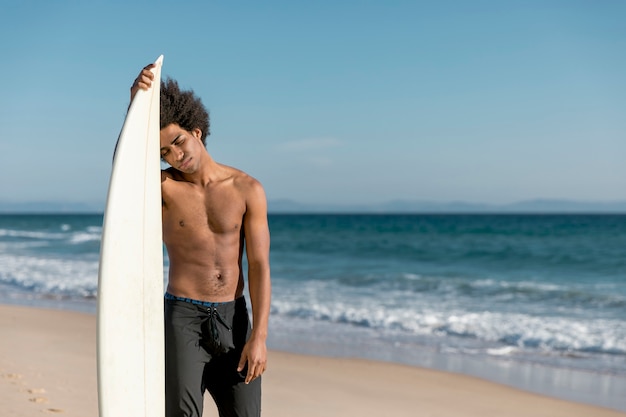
x=533 y=301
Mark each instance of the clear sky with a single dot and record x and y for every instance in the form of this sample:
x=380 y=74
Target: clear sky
x=329 y=101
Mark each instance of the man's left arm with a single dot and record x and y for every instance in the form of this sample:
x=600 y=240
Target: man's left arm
x=257 y=238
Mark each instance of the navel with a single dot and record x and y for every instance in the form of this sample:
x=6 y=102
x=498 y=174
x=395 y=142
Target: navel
x=181 y=223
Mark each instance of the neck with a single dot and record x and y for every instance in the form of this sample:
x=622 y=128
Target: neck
x=207 y=172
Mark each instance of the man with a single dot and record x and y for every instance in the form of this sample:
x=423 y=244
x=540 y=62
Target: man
x=209 y=211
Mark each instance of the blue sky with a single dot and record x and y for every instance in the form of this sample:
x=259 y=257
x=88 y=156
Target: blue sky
x=330 y=101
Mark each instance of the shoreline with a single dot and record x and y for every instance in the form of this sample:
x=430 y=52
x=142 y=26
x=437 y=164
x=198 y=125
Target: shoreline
x=48 y=364
x=570 y=384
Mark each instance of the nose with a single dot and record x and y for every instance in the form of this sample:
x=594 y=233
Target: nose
x=180 y=154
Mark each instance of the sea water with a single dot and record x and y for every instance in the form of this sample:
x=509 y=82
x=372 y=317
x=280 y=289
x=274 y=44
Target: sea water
x=534 y=301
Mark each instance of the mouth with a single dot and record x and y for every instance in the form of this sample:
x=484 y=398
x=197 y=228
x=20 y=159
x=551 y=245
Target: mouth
x=184 y=164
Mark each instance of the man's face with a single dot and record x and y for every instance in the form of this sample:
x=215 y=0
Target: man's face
x=181 y=148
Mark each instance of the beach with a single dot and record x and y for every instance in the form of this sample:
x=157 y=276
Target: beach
x=48 y=366
x=372 y=311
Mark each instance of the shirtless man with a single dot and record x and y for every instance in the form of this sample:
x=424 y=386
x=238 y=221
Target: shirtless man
x=209 y=211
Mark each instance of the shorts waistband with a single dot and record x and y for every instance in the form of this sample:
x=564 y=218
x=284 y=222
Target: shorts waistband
x=169 y=296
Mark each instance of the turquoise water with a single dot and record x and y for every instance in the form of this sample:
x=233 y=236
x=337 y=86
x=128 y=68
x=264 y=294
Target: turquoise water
x=538 y=291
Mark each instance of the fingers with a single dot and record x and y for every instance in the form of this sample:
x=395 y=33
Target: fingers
x=255 y=367
x=242 y=363
x=143 y=80
x=255 y=371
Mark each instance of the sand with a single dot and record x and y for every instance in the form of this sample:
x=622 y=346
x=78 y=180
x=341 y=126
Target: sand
x=48 y=366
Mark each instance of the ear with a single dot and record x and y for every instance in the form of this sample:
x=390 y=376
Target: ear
x=197 y=133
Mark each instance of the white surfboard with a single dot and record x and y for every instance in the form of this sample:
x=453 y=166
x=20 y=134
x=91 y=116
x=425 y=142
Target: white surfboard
x=131 y=359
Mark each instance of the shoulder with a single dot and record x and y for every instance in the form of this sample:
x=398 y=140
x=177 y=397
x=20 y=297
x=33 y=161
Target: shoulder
x=242 y=180
x=248 y=186
x=169 y=173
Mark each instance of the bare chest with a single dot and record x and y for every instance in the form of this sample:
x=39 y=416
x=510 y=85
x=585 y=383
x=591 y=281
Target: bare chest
x=215 y=209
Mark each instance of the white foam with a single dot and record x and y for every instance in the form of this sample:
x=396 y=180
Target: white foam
x=435 y=315
x=30 y=234
x=51 y=275
x=82 y=237
x=503 y=351
x=90 y=233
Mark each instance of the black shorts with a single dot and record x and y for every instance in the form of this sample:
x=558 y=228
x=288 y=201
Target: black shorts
x=203 y=344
